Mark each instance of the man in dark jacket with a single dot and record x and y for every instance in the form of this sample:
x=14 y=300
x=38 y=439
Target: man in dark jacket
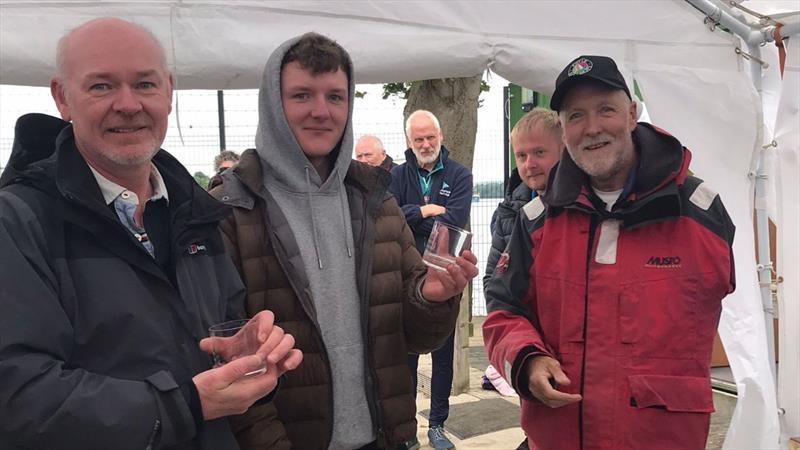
x=604 y=307
x=536 y=142
x=370 y=150
x=105 y=297
x=321 y=242
x=430 y=186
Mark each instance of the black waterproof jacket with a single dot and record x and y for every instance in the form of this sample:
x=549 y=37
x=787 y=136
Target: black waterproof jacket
x=97 y=342
x=504 y=217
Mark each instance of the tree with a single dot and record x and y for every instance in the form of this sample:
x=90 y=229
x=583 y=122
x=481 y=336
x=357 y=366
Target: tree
x=454 y=101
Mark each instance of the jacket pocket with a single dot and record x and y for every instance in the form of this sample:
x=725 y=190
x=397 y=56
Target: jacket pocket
x=667 y=412
x=660 y=318
x=673 y=393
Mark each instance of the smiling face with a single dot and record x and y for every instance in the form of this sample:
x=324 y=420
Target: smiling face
x=316 y=108
x=115 y=90
x=597 y=123
x=536 y=152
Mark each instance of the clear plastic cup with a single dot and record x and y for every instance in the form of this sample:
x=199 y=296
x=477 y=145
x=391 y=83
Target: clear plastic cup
x=444 y=244
x=234 y=339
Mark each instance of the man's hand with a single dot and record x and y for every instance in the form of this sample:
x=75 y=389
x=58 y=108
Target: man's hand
x=440 y=285
x=431 y=210
x=544 y=375
x=228 y=390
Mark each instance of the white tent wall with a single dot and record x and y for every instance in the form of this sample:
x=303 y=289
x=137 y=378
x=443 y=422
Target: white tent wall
x=694 y=84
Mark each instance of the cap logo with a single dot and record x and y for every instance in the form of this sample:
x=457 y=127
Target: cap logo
x=580 y=67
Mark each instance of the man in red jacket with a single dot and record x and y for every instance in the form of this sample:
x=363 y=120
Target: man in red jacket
x=604 y=306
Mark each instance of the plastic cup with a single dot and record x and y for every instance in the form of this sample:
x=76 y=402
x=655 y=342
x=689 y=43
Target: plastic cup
x=234 y=339
x=444 y=244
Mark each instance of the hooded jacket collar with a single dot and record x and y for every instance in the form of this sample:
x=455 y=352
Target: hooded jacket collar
x=44 y=156
x=662 y=168
x=661 y=159
x=250 y=175
x=516 y=189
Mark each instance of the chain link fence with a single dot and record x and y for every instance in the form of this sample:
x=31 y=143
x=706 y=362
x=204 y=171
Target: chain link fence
x=194 y=138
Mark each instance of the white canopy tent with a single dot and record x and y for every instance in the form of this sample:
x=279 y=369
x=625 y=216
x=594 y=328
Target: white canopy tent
x=694 y=82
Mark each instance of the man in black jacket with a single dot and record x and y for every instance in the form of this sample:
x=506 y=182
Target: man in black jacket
x=536 y=140
x=112 y=269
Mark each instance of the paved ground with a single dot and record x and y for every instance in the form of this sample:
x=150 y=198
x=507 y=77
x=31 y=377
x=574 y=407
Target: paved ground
x=501 y=425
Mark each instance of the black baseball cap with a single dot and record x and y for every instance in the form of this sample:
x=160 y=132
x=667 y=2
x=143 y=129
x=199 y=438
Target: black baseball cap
x=584 y=68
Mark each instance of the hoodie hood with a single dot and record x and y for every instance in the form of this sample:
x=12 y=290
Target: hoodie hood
x=282 y=158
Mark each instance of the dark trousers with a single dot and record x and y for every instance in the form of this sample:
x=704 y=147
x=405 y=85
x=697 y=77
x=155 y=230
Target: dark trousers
x=441 y=380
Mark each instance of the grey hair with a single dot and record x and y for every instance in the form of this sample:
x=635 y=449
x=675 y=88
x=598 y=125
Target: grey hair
x=374 y=139
x=225 y=155
x=61 y=48
x=421 y=112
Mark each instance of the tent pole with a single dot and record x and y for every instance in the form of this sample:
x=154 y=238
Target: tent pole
x=754 y=37
x=221 y=119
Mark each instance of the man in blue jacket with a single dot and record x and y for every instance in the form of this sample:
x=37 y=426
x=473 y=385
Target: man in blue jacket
x=429 y=187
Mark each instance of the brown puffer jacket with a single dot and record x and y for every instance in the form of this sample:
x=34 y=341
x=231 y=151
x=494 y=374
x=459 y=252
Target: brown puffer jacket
x=389 y=271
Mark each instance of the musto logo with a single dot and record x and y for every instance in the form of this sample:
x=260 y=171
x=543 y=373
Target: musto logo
x=664 y=262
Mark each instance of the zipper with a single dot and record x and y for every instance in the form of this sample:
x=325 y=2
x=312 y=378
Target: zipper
x=307 y=307
x=593 y=222
x=364 y=275
x=153 y=435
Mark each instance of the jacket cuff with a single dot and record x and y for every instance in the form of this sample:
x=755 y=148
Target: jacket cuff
x=175 y=423
x=192 y=397
x=518 y=377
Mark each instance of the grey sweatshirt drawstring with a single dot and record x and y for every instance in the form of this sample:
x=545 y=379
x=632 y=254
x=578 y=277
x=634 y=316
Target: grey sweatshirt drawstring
x=313 y=222
x=347 y=239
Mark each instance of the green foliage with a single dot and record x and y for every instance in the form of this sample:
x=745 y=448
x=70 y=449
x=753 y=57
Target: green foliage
x=398 y=89
x=401 y=89
x=201 y=179
x=489 y=189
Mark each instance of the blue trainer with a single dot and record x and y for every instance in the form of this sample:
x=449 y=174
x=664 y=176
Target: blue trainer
x=438 y=439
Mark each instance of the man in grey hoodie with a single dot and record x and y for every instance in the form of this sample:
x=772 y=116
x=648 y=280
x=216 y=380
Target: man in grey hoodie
x=320 y=241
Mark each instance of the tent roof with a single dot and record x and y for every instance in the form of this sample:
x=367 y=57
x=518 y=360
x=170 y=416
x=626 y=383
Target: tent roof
x=224 y=44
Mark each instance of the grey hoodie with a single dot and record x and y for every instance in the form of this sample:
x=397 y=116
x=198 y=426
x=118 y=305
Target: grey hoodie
x=319 y=216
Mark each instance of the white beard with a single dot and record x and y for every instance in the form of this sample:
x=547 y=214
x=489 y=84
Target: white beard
x=424 y=161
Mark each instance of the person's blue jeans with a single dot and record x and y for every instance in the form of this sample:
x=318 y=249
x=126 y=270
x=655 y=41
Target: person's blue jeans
x=441 y=380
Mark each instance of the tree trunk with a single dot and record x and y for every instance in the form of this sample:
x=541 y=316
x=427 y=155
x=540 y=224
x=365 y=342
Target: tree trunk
x=454 y=101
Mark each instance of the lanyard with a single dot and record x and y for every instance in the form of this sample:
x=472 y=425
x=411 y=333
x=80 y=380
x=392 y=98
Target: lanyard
x=425 y=182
